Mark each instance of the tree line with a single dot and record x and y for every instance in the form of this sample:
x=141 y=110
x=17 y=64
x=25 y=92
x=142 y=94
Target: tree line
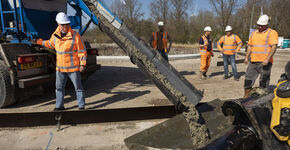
x=186 y=26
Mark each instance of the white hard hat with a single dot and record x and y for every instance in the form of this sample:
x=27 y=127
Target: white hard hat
x=160 y=23
x=228 y=28
x=263 y=20
x=207 y=28
x=62 y=18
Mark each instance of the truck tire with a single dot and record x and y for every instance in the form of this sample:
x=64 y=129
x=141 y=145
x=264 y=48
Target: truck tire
x=6 y=89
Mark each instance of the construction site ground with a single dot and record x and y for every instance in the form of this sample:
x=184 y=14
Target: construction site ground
x=120 y=84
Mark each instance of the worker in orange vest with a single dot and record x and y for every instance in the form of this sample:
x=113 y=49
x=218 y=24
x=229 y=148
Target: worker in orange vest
x=205 y=47
x=229 y=45
x=159 y=41
x=262 y=46
x=71 y=57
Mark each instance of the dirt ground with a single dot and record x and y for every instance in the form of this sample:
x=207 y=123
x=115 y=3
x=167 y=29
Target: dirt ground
x=120 y=84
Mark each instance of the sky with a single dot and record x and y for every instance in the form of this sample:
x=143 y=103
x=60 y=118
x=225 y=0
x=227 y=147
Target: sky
x=197 y=5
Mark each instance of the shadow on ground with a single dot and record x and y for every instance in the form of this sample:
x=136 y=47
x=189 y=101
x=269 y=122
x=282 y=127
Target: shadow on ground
x=102 y=81
x=187 y=73
x=240 y=74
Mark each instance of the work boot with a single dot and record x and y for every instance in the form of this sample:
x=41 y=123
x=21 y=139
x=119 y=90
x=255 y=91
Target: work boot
x=82 y=108
x=247 y=93
x=59 y=109
x=203 y=75
x=226 y=77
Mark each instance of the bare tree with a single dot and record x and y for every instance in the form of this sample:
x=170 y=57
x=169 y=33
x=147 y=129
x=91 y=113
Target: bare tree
x=160 y=10
x=130 y=12
x=180 y=8
x=279 y=11
x=224 y=9
x=179 y=20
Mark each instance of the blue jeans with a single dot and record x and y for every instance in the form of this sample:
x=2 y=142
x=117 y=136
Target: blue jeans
x=61 y=79
x=232 y=60
x=163 y=54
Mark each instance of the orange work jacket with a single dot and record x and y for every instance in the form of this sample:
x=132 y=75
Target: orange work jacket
x=164 y=39
x=231 y=44
x=70 y=50
x=260 y=43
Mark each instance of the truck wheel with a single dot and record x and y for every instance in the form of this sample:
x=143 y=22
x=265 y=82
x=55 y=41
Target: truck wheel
x=6 y=89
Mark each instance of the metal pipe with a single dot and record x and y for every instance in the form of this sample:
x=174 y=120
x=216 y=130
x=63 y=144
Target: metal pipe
x=16 y=16
x=2 y=19
x=21 y=15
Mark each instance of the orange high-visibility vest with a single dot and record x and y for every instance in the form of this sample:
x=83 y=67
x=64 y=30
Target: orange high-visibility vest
x=70 y=50
x=203 y=50
x=231 y=44
x=164 y=39
x=260 y=44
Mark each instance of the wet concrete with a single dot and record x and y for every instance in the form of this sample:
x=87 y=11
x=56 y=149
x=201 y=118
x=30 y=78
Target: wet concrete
x=187 y=131
x=214 y=119
x=173 y=133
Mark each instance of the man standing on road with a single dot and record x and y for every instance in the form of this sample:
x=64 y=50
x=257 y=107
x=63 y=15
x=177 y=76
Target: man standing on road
x=205 y=47
x=262 y=46
x=229 y=45
x=159 y=41
x=71 y=57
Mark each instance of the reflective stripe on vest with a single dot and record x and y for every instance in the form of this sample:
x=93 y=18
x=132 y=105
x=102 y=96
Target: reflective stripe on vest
x=71 y=52
x=203 y=50
x=266 y=46
x=72 y=67
x=164 y=40
x=230 y=44
x=233 y=45
x=155 y=36
x=54 y=40
x=71 y=48
x=164 y=35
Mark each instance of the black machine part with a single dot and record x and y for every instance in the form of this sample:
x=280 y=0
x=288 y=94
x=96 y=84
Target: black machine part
x=283 y=89
x=284 y=127
x=238 y=138
x=255 y=112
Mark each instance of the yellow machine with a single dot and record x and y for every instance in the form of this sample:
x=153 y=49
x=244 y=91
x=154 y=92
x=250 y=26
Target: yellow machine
x=280 y=123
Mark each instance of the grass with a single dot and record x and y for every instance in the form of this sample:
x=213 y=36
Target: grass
x=181 y=45
x=112 y=49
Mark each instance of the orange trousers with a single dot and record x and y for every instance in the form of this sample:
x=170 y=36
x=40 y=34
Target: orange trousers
x=205 y=59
